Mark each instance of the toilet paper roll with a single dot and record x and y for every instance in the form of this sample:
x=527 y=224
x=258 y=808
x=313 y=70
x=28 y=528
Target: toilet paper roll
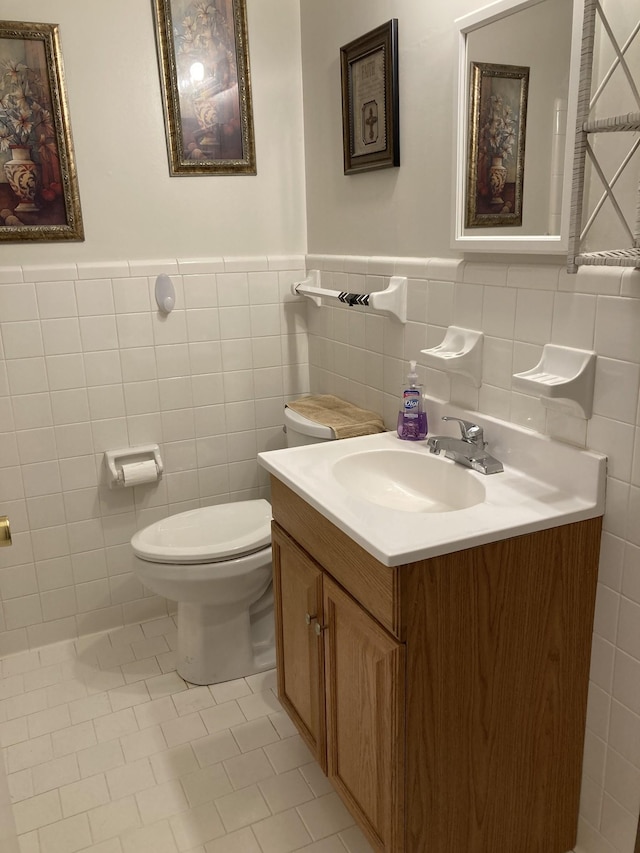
x=134 y=473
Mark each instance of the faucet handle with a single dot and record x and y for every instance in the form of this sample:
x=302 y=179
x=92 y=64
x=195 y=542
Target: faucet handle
x=469 y=431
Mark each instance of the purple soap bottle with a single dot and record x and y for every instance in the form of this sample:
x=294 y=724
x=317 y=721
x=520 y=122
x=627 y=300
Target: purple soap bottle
x=412 y=418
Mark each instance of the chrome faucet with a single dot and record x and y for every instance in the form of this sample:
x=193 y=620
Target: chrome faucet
x=469 y=450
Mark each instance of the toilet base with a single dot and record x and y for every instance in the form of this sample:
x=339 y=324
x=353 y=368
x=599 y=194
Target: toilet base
x=216 y=644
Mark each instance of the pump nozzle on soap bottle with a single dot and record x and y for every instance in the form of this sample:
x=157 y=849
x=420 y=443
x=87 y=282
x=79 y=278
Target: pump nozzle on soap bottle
x=412 y=418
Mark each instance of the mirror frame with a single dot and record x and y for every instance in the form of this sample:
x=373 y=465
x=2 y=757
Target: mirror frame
x=525 y=243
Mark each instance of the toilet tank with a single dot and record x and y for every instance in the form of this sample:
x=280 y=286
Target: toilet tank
x=300 y=430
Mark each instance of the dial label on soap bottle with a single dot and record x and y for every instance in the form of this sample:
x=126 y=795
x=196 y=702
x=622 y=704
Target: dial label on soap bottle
x=411 y=402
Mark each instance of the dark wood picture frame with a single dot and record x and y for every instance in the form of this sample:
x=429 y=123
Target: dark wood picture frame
x=497 y=129
x=203 y=54
x=39 y=197
x=370 y=100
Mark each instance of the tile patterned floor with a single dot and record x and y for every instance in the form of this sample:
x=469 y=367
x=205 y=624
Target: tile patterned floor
x=108 y=750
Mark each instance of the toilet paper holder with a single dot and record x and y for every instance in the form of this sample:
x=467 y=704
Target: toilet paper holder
x=115 y=459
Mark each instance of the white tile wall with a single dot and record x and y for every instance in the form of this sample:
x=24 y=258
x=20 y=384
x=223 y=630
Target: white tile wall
x=87 y=363
x=519 y=308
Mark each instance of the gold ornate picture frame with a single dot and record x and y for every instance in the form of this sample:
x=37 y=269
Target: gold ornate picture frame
x=203 y=55
x=39 y=197
x=497 y=129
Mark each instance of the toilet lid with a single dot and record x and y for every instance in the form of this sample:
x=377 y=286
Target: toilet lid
x=205 y=535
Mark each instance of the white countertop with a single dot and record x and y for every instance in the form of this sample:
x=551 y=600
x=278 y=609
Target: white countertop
x=545 y=483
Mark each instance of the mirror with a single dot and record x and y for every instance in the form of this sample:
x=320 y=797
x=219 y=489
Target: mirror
x=524 y=54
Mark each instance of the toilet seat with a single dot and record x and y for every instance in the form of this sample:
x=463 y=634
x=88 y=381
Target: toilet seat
x=206 y=535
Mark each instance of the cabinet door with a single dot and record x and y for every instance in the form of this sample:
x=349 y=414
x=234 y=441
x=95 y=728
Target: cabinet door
x=297 y=583
x=365 y=674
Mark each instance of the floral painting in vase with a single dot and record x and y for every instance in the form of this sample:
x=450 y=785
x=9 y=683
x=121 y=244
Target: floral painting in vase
x=497 y=124
x=38 y=186
x=203 y=56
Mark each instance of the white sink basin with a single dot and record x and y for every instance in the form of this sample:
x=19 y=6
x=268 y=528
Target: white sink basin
x=409 y=482
x=402 y=503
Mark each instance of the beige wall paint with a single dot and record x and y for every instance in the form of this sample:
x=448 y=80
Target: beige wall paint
x=403 y=211
x=407 y=211
x=132 y=208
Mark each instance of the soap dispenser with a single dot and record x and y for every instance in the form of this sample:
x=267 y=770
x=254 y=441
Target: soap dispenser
x=412 y=418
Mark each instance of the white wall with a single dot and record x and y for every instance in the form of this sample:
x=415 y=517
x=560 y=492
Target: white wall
x=408 y=210
x=8 y=838
x=133 y=214
x=393 y=211
x=362 y=356
x=88 y=364
x=131 y=207
x=364 y=228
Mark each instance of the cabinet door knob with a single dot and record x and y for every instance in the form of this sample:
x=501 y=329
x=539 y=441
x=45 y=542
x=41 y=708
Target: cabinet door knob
x=318 y=628
x=308 y=618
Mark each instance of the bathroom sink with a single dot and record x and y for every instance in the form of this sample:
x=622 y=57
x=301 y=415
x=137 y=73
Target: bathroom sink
x=402 y=503
x=406 y=481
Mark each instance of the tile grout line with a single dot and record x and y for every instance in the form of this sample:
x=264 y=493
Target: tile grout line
x=113 y=735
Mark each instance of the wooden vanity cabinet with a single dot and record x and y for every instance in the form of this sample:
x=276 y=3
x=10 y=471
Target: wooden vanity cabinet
x=445 y=699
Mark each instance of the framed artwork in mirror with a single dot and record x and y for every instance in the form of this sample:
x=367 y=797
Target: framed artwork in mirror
x=39 y=198
x=370 y=100
x=497 y=129
x=203 y=54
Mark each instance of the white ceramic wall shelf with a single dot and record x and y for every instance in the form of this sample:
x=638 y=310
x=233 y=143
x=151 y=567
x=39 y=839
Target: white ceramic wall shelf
x=460 y=352
x=391 y=302
x=563 y=379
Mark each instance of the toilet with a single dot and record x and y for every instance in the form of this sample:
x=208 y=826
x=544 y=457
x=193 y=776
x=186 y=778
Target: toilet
x=215 y=562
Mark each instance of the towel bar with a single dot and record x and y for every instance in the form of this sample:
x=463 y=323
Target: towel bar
x=391 y=302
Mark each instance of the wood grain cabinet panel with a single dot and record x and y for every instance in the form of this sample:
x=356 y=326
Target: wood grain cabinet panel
x=499 y=651
x=365 y=671
x=297 y=584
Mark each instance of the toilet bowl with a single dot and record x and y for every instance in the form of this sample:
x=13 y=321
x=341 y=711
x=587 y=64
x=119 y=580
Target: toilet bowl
x=215 y=562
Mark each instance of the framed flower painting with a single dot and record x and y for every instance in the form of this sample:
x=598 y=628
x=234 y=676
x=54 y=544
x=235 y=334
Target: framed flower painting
x=39 y=198
x=203 y=55
x=497 y=124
